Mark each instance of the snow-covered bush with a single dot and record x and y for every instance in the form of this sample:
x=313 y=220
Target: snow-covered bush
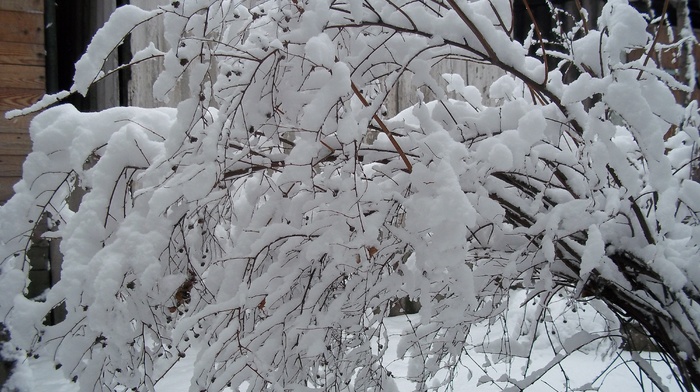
x=254 y=227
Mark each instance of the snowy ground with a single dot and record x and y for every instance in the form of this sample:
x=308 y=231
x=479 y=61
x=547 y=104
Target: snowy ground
x=584 y=371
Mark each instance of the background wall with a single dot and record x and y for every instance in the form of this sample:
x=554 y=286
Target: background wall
x=403 y=95
x=22 y=81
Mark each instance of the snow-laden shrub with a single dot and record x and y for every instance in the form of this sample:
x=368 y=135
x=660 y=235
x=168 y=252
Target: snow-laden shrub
x=254 y=227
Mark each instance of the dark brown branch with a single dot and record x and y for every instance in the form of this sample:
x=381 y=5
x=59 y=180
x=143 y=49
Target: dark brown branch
x=384 y=128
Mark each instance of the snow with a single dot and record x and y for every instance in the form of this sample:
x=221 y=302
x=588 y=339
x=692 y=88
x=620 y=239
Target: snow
x=105 y=41
x=251 y=234
x=589 y=370
x=626 y=27
x=500 y=157
x=595 y=251
x=502 y=88
x=319 y=50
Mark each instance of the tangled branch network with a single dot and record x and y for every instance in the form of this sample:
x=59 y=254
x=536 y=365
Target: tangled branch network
x=255 y=225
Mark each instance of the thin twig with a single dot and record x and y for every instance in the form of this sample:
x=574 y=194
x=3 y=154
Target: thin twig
x=539 y=37
x=656 y=38
x=584 y=20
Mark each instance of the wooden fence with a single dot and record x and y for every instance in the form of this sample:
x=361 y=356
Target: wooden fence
x=22 y=82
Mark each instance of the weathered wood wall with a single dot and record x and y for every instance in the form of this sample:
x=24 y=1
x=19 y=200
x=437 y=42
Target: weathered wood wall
x=474 y=74
x=22 y=82
x=402 y=96
x=143 y=75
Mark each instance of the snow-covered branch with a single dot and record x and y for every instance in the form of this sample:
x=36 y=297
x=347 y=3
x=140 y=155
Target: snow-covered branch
x=255 y=225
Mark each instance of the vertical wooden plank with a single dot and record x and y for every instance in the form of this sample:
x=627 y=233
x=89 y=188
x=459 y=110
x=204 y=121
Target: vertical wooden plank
x=482 y=77
x=449 y=66
x=392 y=104
x=107 y=90
x=405 y=92
x=143 y=77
